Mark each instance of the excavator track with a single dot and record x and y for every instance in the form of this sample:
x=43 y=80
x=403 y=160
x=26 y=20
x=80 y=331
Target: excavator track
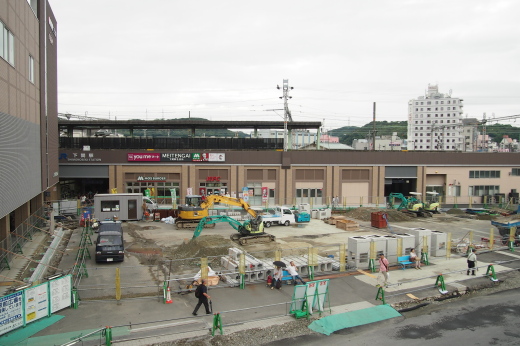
x=253 y=239
x=191 y=225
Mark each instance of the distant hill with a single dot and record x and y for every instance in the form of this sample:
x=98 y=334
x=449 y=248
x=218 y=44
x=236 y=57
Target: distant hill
x=347 y=134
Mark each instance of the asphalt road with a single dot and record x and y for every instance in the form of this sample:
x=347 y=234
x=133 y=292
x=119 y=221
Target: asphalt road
x=481 y=320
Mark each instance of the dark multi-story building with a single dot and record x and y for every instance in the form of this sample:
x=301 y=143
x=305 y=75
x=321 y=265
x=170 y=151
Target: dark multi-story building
x=28 y=109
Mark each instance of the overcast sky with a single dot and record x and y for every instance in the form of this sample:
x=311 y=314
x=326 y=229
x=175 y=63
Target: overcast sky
x=222 y=60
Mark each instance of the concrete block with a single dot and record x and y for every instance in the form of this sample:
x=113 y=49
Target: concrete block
x=261 y=275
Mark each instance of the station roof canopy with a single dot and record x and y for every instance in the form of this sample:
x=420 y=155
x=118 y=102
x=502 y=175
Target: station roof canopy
x=184 y=124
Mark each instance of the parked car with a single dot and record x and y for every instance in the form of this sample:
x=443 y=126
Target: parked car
x=110 y=246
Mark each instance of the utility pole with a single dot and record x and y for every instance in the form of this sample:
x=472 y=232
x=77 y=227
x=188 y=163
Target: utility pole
x=286 y=114
x=484 y=133
x=374 y=130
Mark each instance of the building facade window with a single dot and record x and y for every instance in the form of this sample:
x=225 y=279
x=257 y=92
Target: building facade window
x=155 y=185
x=6 y=44
x=515 y=171
x=31 y=69
x=484 y=190
x=484 y=174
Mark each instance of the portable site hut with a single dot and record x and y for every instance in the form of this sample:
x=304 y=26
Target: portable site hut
x=123 y=206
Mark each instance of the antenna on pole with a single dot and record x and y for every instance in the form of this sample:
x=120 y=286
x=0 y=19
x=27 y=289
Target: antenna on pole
x=374 y=131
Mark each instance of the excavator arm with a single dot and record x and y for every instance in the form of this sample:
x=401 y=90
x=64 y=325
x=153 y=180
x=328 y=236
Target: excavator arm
x=400 y=196
x=238 y=202
x=215 y=219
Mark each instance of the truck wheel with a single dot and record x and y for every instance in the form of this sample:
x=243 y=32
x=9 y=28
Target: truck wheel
x=267 y=224
x=287 y=223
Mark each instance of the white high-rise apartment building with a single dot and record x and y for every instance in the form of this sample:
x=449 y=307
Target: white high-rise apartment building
x=435 y=122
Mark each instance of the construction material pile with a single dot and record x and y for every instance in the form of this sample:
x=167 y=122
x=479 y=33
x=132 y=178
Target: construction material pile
x=365 y=214
x=258 y=269
x=203 y=246
x=455 y=211
x=342 y=222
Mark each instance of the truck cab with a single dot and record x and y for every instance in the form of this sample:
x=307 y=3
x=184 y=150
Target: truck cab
x=278 y=216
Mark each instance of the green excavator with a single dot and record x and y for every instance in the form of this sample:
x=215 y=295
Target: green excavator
x=410 y=205
x=249 y=232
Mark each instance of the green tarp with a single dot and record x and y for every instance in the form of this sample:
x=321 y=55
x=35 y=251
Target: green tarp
x=329 y=324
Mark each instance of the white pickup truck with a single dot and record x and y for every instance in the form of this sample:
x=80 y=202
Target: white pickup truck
x=278 y=216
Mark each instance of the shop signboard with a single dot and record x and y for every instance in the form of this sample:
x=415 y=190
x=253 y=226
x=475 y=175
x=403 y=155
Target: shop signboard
x=245 y=194
x=176 y=157
x=144 y=157
x=265 y=190
x=11 y=314
x=173 y=192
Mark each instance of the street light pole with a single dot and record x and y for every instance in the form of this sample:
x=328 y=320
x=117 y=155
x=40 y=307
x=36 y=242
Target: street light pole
x=287 y=114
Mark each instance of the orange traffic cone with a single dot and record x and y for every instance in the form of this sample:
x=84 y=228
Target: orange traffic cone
x=168 y=296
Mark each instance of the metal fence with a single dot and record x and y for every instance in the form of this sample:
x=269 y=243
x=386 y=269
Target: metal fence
x=15 y=241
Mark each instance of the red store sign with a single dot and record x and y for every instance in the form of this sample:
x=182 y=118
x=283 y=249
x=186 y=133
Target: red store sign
x=212 y=178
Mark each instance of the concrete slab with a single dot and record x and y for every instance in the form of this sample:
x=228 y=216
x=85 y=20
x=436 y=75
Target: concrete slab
x=453 y=270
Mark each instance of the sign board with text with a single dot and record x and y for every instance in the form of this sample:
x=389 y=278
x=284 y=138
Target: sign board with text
x=176 y=157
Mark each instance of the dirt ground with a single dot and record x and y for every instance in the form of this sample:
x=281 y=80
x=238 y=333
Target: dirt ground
x=365 y=214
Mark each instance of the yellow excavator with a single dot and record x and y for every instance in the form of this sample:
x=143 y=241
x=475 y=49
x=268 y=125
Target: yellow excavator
x=194 y=214
x=197 y=207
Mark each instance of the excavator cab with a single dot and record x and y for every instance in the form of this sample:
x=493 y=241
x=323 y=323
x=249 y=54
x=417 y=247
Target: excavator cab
x=252 y=227
x=191 y=209
x=193 y=200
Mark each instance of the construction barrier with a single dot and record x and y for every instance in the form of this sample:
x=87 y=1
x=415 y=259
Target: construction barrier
x=217 y=324
x=381 y=294
x=33 y=303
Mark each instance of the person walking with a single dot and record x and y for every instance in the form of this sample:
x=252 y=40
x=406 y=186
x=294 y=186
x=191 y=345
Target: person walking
x=383 y=268
x=416 y=259
x=293 y=271
x=277 y=278
x=145 y=211
x=202 y=293
x=472 y=261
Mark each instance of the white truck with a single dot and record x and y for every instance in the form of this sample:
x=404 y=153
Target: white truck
x=278 y=216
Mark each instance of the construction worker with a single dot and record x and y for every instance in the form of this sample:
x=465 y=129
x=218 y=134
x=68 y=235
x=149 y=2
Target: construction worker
x=383 y=267
x=472 y=260
x=203 y=297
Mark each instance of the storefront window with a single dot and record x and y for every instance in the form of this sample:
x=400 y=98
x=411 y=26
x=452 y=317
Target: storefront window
x=312 y=195
x=162 y=191
x=213 y=188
